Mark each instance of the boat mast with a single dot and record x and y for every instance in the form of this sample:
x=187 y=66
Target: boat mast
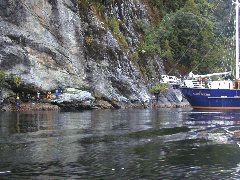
x=237 y=38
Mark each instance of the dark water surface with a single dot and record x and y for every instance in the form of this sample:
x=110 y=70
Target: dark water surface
x=120 y=144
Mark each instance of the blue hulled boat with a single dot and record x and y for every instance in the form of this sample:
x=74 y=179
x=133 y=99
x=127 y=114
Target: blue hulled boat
x=213 y=98
x=203 y=93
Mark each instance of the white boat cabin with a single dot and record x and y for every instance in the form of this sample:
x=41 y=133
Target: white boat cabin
x=205 y=82
x=173 y=80
x=228 y=84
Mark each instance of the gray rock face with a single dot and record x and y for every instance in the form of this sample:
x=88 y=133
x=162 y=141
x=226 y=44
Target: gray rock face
x=74 y=95
x=75 y=99
x=52 y=43
x=39 y=42
x=173 y=98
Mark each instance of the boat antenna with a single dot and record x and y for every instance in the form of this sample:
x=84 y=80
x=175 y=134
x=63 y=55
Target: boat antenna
x=236 y=2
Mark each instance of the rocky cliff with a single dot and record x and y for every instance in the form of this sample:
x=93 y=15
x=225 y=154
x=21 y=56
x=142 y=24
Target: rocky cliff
x=92 y=46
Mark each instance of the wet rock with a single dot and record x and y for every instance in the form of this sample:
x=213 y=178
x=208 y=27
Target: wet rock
x=103 y=104
x=31 y=107
x=172 y=99
x=75 y=99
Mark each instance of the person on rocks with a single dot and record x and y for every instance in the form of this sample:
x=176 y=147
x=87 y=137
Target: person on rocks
x=17 y=101
x=56 y=93
x=38 y=96
x=49 y=95
x=33 y=99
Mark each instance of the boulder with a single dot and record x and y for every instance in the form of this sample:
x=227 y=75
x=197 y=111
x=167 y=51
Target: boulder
x=75 y=99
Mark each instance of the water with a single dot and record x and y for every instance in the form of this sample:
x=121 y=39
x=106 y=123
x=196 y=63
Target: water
x=120 y=144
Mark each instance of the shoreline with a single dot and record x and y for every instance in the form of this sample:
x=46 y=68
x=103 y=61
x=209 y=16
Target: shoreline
x=24 y=107
x=48 y=106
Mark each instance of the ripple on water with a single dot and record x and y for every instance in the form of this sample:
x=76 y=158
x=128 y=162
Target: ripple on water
x=121 y=144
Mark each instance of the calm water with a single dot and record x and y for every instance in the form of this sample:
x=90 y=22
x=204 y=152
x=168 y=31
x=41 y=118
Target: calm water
x=120 y=144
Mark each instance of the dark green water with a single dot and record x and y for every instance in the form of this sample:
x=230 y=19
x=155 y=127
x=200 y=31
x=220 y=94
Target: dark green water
x=120 y=144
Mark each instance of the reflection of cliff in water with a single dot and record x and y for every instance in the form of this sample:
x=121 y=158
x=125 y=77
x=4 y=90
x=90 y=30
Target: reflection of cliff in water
x=26 y=122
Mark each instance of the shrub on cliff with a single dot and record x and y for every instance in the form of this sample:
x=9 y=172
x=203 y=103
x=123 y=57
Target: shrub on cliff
x=2 y=79
x=159 y=88
x=9 y=80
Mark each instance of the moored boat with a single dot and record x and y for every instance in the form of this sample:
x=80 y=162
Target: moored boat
x=203 y=93
x=207 y=94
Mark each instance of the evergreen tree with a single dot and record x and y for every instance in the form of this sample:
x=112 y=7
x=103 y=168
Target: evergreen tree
x=190 y=39
x=167 y=51
x=191 y=6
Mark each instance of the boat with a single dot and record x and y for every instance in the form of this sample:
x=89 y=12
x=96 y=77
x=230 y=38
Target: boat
x=204 y=93
x=171 y=80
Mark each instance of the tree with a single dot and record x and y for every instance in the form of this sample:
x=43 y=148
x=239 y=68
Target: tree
x=191 y=6
x=159 y=88
x=167 y=51
x=191 y=38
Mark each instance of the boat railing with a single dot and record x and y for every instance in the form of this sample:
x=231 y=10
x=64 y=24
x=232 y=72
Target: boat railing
x=194 y=84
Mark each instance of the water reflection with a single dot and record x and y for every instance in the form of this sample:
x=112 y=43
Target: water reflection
x=165 y=143
x=218 y=126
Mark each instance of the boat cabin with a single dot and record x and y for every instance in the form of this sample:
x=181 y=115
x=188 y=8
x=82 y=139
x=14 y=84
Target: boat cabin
x=205 y=82
x=173 y=80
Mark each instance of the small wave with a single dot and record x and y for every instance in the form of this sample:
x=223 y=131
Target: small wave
x=5 y=172
x=145 y=134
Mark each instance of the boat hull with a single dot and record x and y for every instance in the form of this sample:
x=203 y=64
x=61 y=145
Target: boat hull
x=226 y=99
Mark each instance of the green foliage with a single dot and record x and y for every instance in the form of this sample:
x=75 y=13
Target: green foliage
x=188 y=39
x=17 y=80
x=222 y=12
x=167 y=51
x=84 y=4
x=143 y=71
x=98 y=5
x=159 y=88
x=2 y=79
x=150 y=44
x=114 y=25
x=183 y=37
x=140 y=26
x=162 y=7
x=104 y=2
x=168 y=6
x=8 y=79
x=134 y=57
x=14 y=79
x=191 y=7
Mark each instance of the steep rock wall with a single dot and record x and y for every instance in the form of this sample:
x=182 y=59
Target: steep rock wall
x=52 y=43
